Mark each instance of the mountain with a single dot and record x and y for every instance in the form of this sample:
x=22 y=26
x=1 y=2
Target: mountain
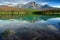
x=34 y=5
x=18 y=5
x=9 y=8
x=46 y=6
x=30 y=5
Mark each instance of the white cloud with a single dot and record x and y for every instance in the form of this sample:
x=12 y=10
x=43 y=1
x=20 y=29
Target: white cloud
x=51 y=27
x=57 y=6
x=19 y=1
x=14 y=2
x=44 y=3
x=12 y=23
x=0 y=4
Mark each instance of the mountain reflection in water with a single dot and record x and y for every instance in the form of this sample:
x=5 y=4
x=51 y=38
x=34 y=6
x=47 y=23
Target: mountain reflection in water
x=36 y=28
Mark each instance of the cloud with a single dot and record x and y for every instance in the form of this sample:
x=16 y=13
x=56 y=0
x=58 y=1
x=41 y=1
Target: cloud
x=57 y=6
x=1 y=0
x=22 y=1
x=52 y=27
x=44 y=3
x=18 y=1
x=0 y=4
x=12 y=23
x=6 y=2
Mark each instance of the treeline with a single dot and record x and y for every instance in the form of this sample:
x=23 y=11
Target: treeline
x=44 y=12
x=14 y=13
x=47 y=12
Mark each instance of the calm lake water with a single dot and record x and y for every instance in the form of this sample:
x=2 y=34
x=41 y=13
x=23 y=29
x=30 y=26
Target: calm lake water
x=31 y=21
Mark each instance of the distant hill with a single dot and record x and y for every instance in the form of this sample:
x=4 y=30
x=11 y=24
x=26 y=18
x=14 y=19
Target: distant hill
x=8 y=8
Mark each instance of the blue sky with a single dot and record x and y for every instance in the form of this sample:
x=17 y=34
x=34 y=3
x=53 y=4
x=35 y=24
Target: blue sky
x=54 y=3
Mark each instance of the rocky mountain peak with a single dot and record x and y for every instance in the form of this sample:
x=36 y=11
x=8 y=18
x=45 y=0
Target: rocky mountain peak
x=33 y=2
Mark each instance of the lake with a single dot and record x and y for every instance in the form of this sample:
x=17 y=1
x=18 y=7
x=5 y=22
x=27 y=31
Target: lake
x=30 y=21
x=30 y=27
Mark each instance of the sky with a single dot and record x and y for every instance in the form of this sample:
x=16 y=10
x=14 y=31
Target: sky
x=54 y=3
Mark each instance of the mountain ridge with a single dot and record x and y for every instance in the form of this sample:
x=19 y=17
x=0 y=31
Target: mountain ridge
x=37 y=6
x=30 y=5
